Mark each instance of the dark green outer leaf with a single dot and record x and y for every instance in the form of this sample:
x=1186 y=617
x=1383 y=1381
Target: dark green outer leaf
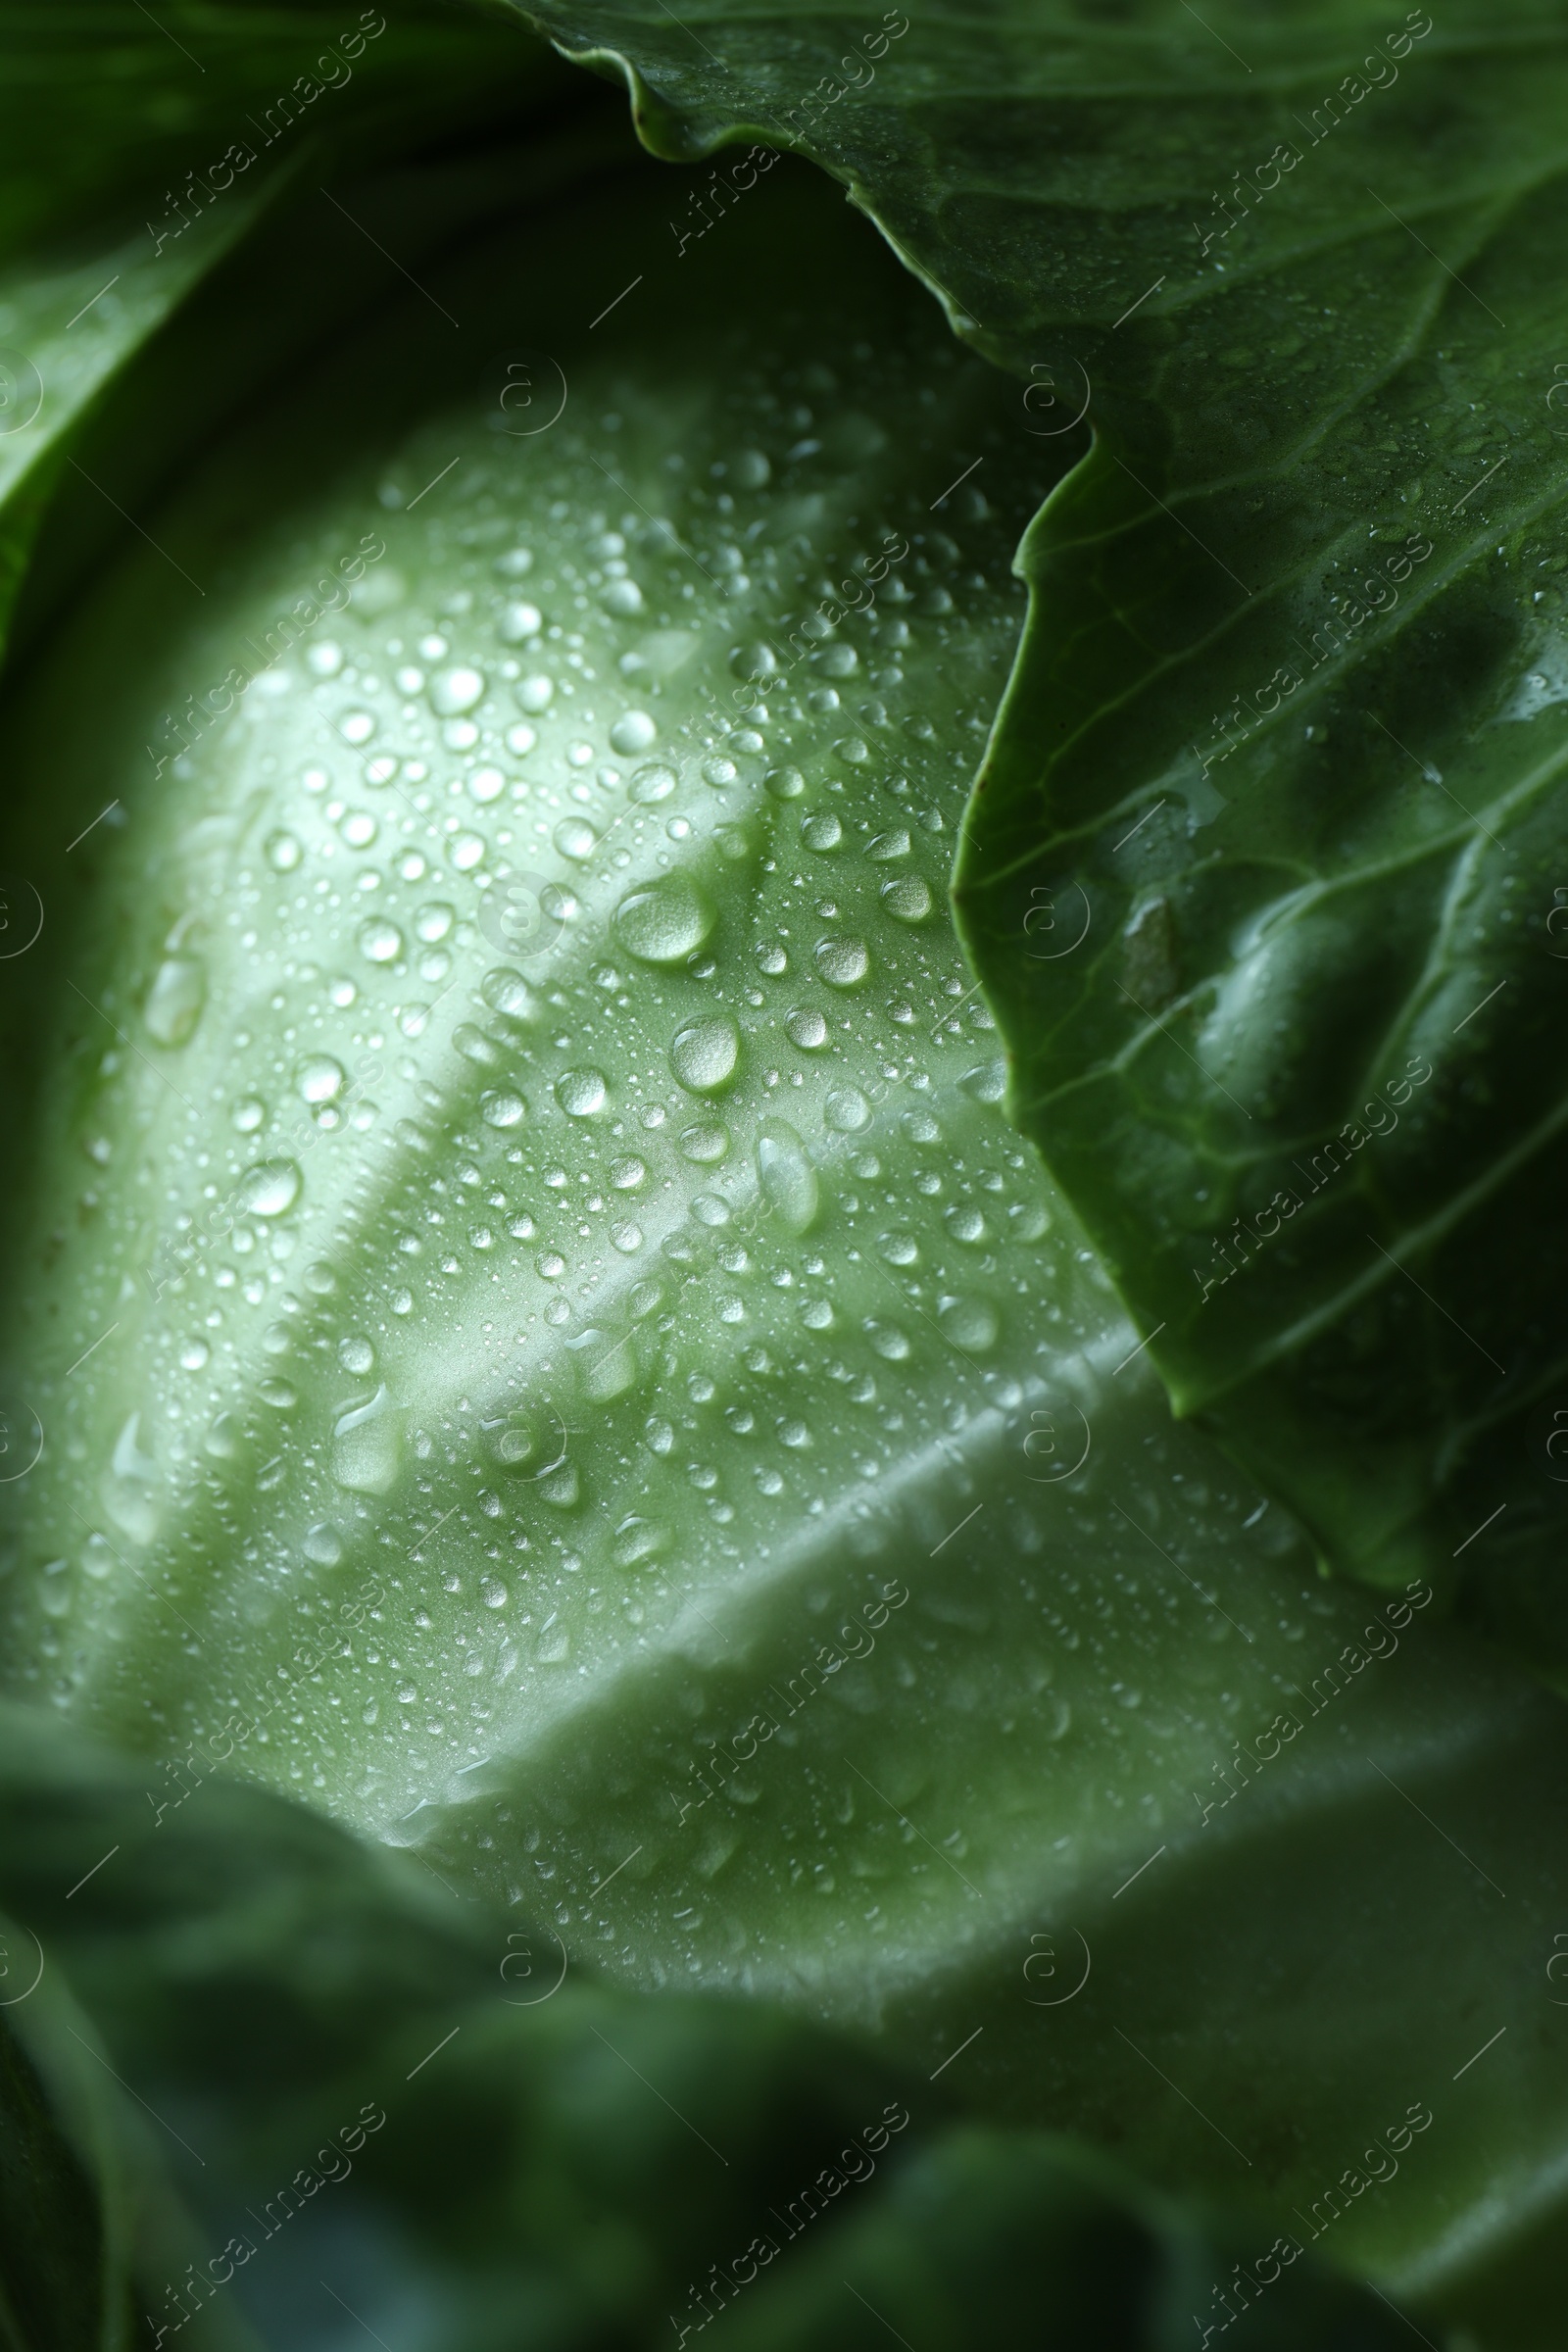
x=548 y=2172
x=1215 y=930
x=115 y=219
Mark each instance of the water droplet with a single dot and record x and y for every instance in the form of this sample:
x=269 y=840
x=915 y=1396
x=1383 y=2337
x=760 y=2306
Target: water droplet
x=367 y=1448
x=511 y=1442
x=786 y=1176
x=323 y=1543
x=889 y=1341
x=498 y=1108
x=627 y=1175
x=843 y=962
x=97 y=1559
x=506 y=991
x=847 y=1110
x=221 y=1441
x=638 y=1540
x=534 y=694
x=622 y=598
x=574 y=837
x=176 y=1000
x=356 y=1354
x=784 y=783
x=432 y=922
x=821 y=833
x=454 y=690
x=283 y=852
x=486 y=784
x=247 y=1114
x=665 y=923
x=966 y=1224
x=319 y=1078
x=658 y=1435
x=519 y=621
x=360 y=828
x=987 y=1082
x=704 y=1144
x=706 y=1053
x=194 y=1354
x=888 y=846
x=582 y=1093
x=633 y=731
x=380 y=942
x=628 y=1239
x=971 y=1324
x=758 y=661
x=806 y=1028
x=909 y=898
x=719 y=771
x=606 y=1367
x=270 y=1187
x=898 y=1249
x=654 y=782
x=357 y=726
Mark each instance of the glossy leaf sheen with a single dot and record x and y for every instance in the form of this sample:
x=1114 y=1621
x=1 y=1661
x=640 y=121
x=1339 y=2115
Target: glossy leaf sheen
x=522 y=1356
x=1293 y=780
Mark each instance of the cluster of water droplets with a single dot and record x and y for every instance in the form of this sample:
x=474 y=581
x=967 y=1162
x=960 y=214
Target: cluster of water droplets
x=549 y=1169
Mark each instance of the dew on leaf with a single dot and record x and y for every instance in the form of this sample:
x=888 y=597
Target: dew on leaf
x=907 y=900
x=843 y=962
x=706 y=1053
x=654 y=782
x=319 y=1078
x=176 y=1000
x=380 y=942
x=582 y=1093
x=786 y=1176
x=270 y=1187
x=664 y=922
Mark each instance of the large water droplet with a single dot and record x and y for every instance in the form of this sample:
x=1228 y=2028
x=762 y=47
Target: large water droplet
x=654 y=782
x=367 y=1447
x=131 y=1488
x=705 y=1054
x=633 y=732
x=574 y=837
x=843 y=962
x=319 y=1078
x=499 y=1108
x=270 y=1187
x=582 y=1093
x=638 y=1540
x=909 y=900
x=786 y=1175
x=323 y=1543
x=987 y=1082
x=665 y=923
x=847 y=1110
x=380 y=942
x=176 y=1000
x=606 y=1366
x=455 y=690
x=971 y=1324
x=511 y=1442
x=805 y=1027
